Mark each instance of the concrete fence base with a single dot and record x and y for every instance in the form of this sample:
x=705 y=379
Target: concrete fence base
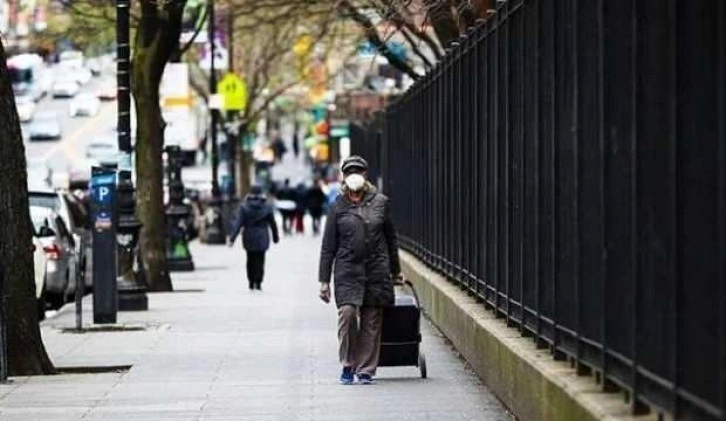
x=526 y=379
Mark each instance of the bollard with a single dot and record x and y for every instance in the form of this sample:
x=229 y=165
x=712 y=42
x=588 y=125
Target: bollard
x=80 y=289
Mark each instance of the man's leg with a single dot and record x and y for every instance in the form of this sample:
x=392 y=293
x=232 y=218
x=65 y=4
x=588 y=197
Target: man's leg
x=316 y=225
x=347 y=334
x=288 y=224
x=251 y=269
x=369 y=340
x=260 y=270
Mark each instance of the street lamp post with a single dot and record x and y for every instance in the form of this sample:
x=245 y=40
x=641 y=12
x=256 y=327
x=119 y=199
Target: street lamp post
x=177 y=215
x=131 y=293
x=214 y=224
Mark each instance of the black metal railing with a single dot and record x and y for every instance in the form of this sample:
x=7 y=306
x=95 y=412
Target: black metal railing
x=565 y=163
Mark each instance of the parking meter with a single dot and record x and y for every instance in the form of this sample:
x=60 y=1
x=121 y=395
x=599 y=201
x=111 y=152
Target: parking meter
x=103 y=226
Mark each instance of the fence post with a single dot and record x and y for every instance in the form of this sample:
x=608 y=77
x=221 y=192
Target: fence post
x=3 y=326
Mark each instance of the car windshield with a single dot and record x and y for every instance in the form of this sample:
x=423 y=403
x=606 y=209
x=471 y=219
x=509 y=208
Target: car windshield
x=18 y=75
x=101 y=147
x=44 y=200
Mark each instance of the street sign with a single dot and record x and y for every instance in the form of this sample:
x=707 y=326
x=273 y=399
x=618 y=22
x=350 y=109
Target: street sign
x=234 y=91
x=103 y=227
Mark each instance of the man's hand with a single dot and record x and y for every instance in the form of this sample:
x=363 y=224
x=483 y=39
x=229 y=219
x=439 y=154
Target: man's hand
x=398 y=279
x=324 y=292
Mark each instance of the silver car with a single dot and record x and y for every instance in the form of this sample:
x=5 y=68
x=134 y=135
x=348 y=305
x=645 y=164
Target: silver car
x=44 y=126
x=59 y=247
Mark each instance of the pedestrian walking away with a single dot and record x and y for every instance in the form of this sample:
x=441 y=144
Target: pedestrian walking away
x=360 y=243
x=255 y=219
x=287 y=206
x=316 y=203
x=301 y=198
x=296 y=142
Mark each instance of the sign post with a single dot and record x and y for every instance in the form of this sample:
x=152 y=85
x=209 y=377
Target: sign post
x=103 y=224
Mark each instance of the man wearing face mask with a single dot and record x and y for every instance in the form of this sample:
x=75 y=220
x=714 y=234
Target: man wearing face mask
x=360 y=242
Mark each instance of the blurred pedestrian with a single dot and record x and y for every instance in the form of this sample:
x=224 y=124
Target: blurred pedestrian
x=301 y=198
x=360 y=243
x=296 y=143
x=255 y=219
x=315 y=203
x=287 y=204
x=278 y=148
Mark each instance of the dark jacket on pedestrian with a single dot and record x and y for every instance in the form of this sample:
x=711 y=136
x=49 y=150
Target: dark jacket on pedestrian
x=287 y=193
x=360 y=242
x=301 y=198
x=256 y=219
x=316 y=201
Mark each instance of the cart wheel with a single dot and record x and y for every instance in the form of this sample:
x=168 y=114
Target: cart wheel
x=422 y=364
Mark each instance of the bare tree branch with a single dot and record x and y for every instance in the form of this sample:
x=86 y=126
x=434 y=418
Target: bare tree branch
x=348 y=10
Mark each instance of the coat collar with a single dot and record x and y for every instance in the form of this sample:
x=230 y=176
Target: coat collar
x=369 y=192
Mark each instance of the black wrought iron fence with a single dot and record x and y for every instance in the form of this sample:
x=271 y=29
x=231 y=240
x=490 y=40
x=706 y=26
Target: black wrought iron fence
x=566 y=164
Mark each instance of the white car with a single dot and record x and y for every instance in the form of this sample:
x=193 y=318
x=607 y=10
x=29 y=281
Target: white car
x=84 y=105
x=40 y=262
x=65 y=88
x=82 y=75
x=103 y=150
x=26 y=107
x=45 y=125
x=107 y=90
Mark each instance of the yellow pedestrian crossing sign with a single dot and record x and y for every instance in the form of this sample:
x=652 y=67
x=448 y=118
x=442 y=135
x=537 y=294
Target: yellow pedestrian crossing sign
x=234 y=91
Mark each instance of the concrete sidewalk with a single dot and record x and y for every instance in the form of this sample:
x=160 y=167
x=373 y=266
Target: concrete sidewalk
x=215 y=351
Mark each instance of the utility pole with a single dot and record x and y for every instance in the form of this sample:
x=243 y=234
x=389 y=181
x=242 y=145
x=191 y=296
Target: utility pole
x=232 y=134
x=214 y=223
x=131 y=293
x=213 y=91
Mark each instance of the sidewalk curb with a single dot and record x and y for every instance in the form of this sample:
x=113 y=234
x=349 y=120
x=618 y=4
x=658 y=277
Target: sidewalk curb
x=526 y=379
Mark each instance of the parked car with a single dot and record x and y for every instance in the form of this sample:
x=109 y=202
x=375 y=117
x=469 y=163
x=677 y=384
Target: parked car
x=26 y=107
x=39 y=265
x=45 y=125
x=65 y=88
x=60 y=252
x=84 y=104
x=74 y=214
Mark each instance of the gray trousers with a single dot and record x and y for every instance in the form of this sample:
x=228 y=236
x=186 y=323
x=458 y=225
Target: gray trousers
x=359 y=337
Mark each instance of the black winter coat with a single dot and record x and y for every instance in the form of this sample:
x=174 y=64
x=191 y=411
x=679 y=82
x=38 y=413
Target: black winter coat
x=256 y=219
x=360 y=241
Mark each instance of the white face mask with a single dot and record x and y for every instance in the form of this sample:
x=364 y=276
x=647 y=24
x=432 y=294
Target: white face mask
x=355 y=182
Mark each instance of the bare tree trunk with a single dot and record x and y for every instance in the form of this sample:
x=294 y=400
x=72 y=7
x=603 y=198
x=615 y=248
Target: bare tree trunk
x=157 y=38
x=150 y=191
x=26 y=353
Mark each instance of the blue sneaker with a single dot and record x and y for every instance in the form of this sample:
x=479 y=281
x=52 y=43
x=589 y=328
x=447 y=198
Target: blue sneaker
x=365 y=379
x=346 y=377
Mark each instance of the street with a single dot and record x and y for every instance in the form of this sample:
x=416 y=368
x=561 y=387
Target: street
x=60 y=155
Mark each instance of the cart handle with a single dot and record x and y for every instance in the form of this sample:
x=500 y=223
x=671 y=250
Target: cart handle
x=409 y=284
